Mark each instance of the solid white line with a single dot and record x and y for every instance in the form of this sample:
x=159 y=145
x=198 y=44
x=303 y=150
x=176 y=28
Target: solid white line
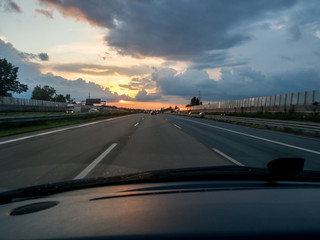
x=95 y=162
x=58 y=130
x=260 y=138
x=227 y=157
x=136 y=124
x=177 y=126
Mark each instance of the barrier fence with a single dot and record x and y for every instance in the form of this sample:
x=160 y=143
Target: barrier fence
x=21 y=104
x=308 y=101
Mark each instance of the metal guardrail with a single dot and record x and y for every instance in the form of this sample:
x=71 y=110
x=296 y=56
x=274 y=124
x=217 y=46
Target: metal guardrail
x=303 y=126
x=49 y=117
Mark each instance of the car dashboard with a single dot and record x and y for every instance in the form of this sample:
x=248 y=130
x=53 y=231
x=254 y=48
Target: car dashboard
x=169 y=210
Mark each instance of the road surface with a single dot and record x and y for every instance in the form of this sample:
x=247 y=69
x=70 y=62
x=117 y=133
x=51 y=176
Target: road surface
x=250 y=146
x=142 y=142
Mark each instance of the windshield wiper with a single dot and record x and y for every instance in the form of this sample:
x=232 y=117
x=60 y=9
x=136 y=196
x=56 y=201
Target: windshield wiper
x=279 y=169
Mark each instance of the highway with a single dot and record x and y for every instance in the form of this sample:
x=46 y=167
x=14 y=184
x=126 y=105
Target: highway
x=142 y=142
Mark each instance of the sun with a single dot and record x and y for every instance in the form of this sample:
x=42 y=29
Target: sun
x=123 y=101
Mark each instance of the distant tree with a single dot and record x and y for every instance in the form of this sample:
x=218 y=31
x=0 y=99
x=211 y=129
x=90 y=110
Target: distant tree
x=59 y=98
x=48 y=93
x=9 y=79
x=176 y=107
x=45 y=93
x=69 y=99
x=194 y=101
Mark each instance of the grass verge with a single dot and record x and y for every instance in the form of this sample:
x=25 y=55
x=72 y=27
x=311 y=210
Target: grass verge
x=41 y=125
x=312 y=117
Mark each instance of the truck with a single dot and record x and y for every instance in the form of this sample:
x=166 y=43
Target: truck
x=73 y=108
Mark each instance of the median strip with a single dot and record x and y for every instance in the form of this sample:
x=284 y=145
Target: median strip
x=58 y=130
x=88 y=169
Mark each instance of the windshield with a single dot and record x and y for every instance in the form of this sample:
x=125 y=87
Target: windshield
x=155 y=85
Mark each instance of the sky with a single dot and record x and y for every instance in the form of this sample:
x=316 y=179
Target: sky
x=160 y=53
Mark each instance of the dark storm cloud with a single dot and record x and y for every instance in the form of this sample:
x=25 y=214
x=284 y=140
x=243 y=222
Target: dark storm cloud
x=294 y=32
x=304 y=15
x=242 y=82
x=98 y=12
x=215 y=60
x=10 y=6
x=176 y=30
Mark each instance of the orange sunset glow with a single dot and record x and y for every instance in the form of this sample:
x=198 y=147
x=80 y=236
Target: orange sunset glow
x=142 y=105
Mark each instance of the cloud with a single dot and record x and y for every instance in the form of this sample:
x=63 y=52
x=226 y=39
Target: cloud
x=102 y=70
x=139 y=84
x=294 y=32
x=29 y=74
x=215 y=60
x=263 y=47
x=303 y=18
x=290 y=59
x=144 y=96
x=184 y=84
x=40 y=56
x=10 y=6
x=79 y=88
x=176 y=30
x=46 y=13
x=99 y=13
x=238 y=83
x=43 y=56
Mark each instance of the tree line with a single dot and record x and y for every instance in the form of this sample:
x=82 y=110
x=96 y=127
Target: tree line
x=9 y=84
x=194 y=101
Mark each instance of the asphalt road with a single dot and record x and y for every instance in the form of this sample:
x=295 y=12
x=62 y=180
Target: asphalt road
x=111 y=147
x=250 y=146
x=142 y=142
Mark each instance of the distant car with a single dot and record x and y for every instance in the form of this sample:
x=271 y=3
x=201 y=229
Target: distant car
x=153 y=113
x=93 y=110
